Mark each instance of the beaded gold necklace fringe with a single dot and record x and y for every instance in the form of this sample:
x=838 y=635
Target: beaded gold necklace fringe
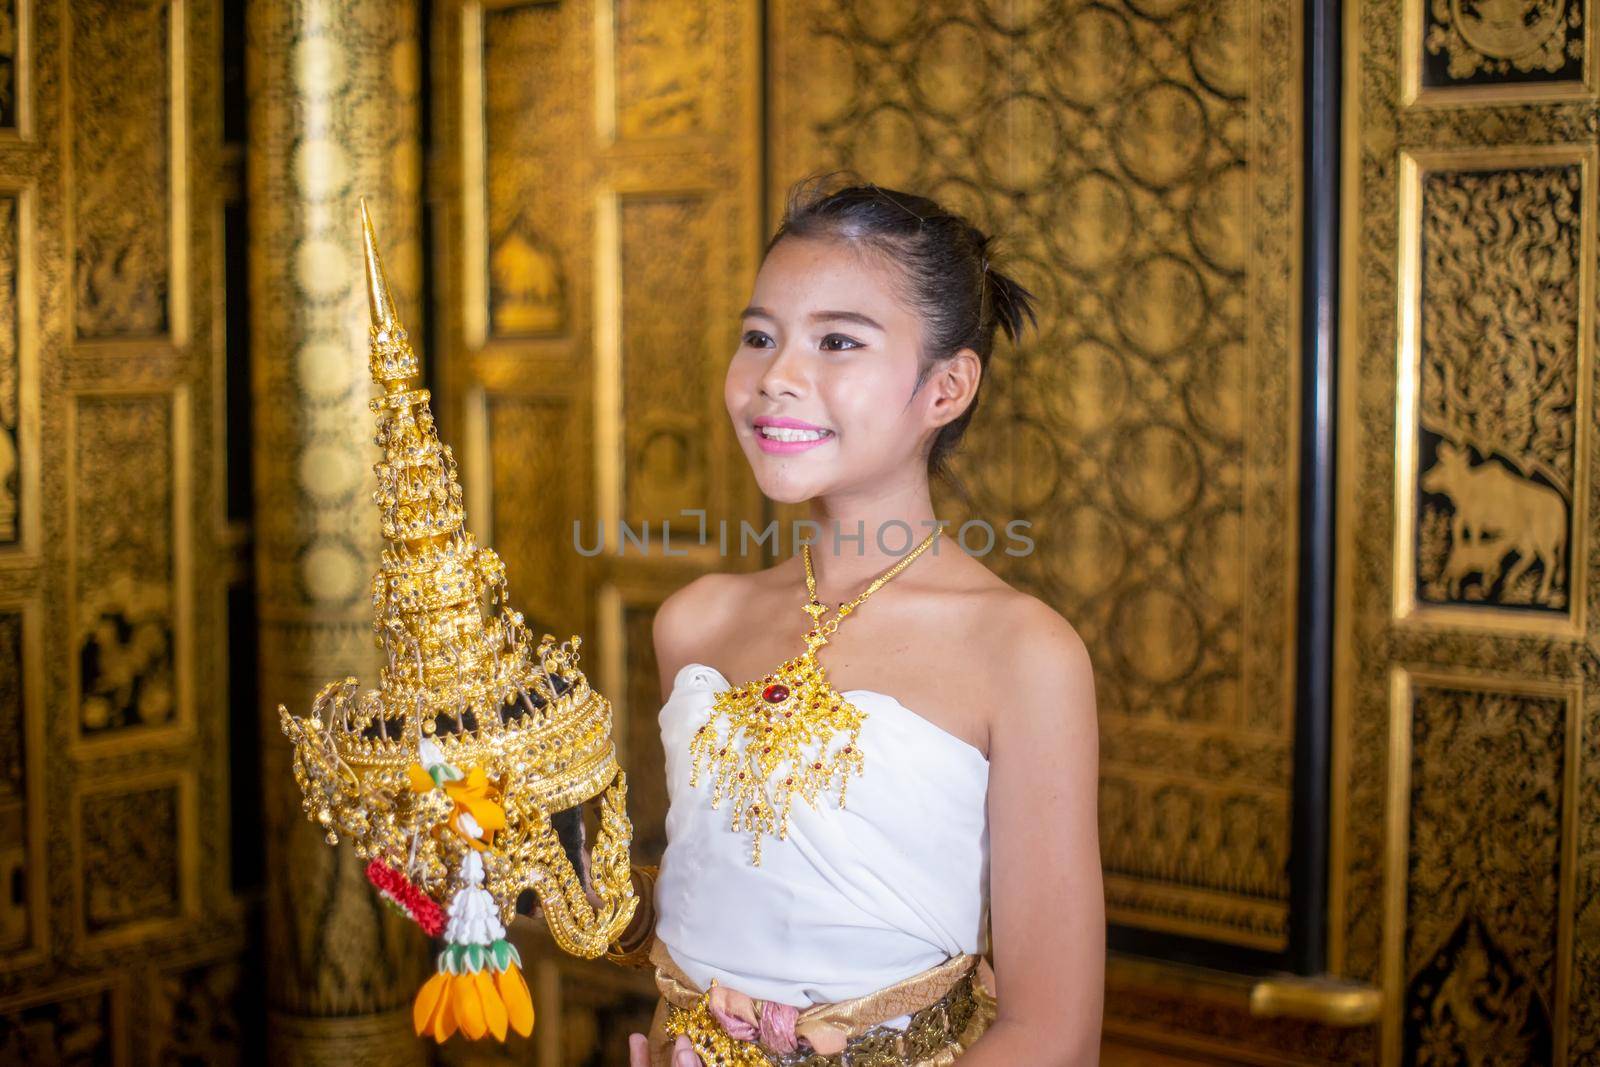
x=772 y=738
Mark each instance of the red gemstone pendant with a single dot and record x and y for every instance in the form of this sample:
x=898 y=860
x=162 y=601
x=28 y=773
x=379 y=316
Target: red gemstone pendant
x=776 y=693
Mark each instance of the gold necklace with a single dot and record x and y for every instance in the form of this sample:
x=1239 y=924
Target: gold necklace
x=779 y=717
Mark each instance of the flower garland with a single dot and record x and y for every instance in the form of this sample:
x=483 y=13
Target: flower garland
x=479 y=986
x=410 y=901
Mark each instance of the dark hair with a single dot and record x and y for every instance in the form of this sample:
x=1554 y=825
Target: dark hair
x=946 y=269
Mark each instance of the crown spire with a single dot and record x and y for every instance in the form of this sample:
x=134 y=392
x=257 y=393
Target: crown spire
x=393 y=363
x=378 y=295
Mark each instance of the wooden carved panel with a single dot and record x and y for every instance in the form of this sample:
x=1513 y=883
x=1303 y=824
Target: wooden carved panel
x=1498 y=291
x=115 y=552
x=194 y=1016
x=532 y=219
x=668 y=372
x=134 y=854
x=1466 y=374
x=76 y=1029
x=120 y=147
x=1482 y=899
x=1140 y=162
x=530 y=453
x=128 y=637
x=1470 y=51
x=665 y=59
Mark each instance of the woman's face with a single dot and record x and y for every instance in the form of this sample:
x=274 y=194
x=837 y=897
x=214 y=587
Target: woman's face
x=822 y=389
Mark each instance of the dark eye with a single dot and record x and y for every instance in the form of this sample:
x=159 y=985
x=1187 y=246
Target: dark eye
x=757 y=339
x=838 y=342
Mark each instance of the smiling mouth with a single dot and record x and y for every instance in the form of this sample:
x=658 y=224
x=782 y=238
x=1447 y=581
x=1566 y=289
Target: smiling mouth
x=790 y=434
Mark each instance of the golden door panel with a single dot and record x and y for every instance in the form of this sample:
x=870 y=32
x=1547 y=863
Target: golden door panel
x=1481 y=903
x=127 y=514
x=663 y=73
x=669 y=367
x=1478 y=53
x=1497 y=300
x=1142 y=164
x=79 y=1026
x=135 y=840
x=1465 y=415
x=123 y=69
x=530 y=114
x=533 y=503
x=193 y=1012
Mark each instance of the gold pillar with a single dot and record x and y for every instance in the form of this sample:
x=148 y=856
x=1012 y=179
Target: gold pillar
x=333 y=90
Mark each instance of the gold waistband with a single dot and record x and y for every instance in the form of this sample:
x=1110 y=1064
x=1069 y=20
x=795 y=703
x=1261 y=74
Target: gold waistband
x=950 y=1005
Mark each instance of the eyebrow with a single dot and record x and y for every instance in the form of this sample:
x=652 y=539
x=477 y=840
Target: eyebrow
x=817 y=316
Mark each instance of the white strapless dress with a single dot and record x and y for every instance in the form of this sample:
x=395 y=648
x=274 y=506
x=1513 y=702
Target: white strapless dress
x=856 y=898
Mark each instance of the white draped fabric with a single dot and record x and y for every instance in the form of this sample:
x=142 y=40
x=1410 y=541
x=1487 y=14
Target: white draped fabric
x=856 y=898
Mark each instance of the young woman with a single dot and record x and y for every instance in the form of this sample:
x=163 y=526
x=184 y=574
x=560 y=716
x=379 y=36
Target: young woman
x=951 y=715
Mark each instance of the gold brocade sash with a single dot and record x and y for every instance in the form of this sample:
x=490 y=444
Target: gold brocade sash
x=830 y=1025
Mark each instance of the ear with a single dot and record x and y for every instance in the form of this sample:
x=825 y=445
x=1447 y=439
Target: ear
x=952 y=384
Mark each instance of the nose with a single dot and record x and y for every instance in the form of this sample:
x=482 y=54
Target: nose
x=784 y=374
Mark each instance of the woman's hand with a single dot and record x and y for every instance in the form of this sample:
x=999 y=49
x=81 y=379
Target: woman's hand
x=683 y=1053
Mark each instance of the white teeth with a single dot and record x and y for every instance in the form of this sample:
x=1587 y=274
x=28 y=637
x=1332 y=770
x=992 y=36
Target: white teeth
x=784 y=433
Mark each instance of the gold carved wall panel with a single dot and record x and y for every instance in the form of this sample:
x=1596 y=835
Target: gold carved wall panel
x=1466 y=803
x=1142 y=164
x=1497 y=294
x=1475 y=53
x=122 y=229
x=668 y=378
x=129 y=562
x=532 y=499
x=114 y=828
x=1474 y=909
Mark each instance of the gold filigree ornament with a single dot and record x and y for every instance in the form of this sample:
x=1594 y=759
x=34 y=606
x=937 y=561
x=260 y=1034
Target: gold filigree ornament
x=775 y=737
x=447 y=776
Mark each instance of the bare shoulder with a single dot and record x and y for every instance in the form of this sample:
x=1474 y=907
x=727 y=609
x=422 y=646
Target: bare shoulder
x=1041 y=656
x=696 y=615
x=685 y=611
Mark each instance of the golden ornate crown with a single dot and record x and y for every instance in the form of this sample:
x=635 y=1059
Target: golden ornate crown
x=447 y=778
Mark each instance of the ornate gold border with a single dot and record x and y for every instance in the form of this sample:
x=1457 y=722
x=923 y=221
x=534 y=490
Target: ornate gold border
x=1403 y=682
x=1414 y=95
x=1414 y=164
x=33 y=739
x=188 y=846
x=182 y=726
